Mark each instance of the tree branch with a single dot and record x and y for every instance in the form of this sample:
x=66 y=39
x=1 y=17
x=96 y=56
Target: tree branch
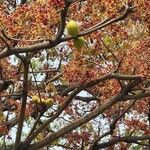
x=63 y=21
x=86 y=99
x=23 y=105
x=126 y=139
x=137 y=96
x=103 y=23
x=31 y=48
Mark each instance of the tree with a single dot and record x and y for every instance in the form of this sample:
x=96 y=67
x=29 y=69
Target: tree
x=92 y=96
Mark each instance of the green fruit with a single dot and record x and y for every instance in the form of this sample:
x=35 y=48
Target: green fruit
x=49 y=102
x=72 y=28
x=35 y=99
x=79 y=42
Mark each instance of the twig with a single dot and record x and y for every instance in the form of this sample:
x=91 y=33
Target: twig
x=56 y=77
x=63 y=21
x=38 y=90
x=41 y=71
x=109 y=50
x=21 y=40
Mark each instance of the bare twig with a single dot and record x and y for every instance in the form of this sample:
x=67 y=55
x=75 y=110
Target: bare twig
x=56 y=77
x=109 y=50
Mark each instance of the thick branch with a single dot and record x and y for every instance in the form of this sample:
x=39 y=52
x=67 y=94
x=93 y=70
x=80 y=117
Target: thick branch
x=129 y=139
x=31 y=48
x=23 y=105
x=113 y=76
x=137 y=96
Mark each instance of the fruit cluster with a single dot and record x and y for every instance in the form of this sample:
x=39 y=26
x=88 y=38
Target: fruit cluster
x=48 y=102
x=73 y=29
